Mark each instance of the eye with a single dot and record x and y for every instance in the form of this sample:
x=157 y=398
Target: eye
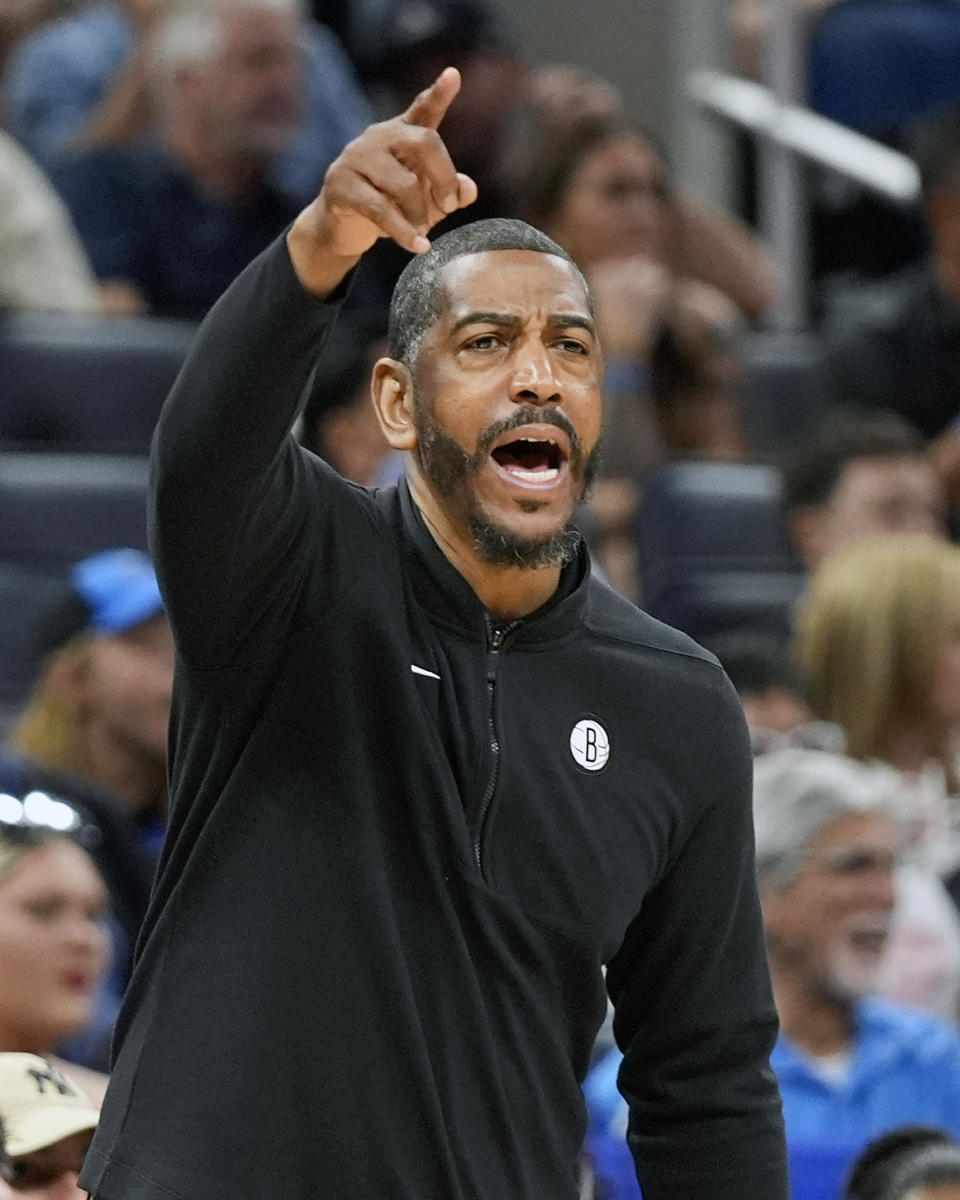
x=572 y=346
x=45 y=908
x=484 y=341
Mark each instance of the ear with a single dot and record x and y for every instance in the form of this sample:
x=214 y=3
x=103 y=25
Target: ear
x=392 y=392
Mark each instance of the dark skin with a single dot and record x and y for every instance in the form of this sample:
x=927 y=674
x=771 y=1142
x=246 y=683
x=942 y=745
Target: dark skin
x=518 y=333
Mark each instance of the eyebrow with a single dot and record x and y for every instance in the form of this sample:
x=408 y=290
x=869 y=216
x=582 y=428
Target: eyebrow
x=512 y=321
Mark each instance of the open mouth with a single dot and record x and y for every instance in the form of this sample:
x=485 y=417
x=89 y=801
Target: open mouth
x=535 y=461
x=869 y=938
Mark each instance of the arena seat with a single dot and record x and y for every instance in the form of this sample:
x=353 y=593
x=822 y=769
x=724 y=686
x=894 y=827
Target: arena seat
x=878 y=67
x=712 y=548
x=91 y=384
x=58 y=508
x=782 y=394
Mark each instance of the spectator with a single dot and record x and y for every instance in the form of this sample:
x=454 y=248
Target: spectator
x=339 y=423
x=876 y=640
x=894 y=344
x=696 y=377
x=54 y=944
x=18 y=18
x=850 y=1066
x=894 y=1163
x=42 y=264
x=99 y=711
x=859 y=474
x=173 y=221
x=47 y=1123
x=85 y=81
x=93 y=732
x=771 y=691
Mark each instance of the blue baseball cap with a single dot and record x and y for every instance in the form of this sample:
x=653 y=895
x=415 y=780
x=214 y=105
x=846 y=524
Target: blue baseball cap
x=119 y=587
x=110 y=592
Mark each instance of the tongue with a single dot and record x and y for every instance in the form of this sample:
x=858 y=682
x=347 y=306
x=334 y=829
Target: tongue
x=525 y=456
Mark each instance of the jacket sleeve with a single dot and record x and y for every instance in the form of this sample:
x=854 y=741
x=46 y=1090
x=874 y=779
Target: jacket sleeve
x=240 y=514
x=694 y=1012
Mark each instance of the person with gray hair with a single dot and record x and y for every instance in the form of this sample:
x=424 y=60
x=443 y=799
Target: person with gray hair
x=235 y=111
x=851 y=1066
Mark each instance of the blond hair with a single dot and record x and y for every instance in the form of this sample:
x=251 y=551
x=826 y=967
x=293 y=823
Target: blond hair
x=870 y=632
x=47 y=729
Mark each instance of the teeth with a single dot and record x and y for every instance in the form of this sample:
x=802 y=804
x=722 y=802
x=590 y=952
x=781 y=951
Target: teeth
x=542 y=476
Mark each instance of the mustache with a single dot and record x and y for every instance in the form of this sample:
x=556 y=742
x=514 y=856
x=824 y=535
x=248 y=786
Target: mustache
x=529 y=414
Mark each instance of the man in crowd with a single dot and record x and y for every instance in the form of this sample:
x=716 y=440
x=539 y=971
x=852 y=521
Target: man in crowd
x=850 y=1066
x=895 y=344
x=45 y=1128
x=172 y=221
x=85 y=81
x=428 y=774
x=858 y=475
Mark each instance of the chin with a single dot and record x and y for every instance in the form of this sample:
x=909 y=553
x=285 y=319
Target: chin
x=532 y=545
x=853 y=976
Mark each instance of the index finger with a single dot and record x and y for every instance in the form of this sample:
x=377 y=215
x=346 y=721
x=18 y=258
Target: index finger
x=430 y=106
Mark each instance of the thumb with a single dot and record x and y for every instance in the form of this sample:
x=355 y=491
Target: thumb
x=430 y=107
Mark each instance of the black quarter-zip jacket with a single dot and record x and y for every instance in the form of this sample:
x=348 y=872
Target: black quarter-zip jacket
x=405 y=841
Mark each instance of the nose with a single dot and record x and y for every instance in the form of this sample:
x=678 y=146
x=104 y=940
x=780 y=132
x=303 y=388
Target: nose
x=534 y=381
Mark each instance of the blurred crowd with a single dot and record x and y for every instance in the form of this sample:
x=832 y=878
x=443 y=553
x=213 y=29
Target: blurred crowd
x=149 y=149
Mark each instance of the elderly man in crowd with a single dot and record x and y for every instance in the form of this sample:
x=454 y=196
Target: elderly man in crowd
x=850 y=1066
x=170 y=222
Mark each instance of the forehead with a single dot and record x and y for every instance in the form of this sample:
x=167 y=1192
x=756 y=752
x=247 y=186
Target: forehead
x=525 y=283
x=625 y=153
x=873 y=475
x=857 y=828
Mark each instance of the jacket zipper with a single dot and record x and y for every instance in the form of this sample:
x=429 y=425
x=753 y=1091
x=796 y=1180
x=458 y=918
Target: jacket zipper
x=496 y=635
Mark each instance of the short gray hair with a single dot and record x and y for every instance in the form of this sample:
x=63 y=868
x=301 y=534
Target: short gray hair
x=418 y=299
x=798 y=793
x=190 y=31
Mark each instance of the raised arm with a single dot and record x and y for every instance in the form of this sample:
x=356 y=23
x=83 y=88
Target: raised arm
x=237 y=507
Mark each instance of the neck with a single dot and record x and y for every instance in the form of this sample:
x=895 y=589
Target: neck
x=815 y=1022
x=222 y=174
x=507 y=592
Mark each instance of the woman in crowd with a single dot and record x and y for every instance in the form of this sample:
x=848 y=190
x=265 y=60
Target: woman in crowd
x=878 y=642
x=672 y=281
x=54 y=943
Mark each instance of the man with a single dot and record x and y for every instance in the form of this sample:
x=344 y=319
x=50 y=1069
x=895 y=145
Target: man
x=84 y=81
x=428 y=775
x=47 y=1124
x=850 y=1066
x=894 y=344
x=169 y=223
x=860 y=474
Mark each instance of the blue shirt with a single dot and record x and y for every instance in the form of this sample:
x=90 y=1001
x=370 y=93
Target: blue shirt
x=905 y=1068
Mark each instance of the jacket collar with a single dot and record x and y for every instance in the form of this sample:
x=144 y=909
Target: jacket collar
x=444 y=593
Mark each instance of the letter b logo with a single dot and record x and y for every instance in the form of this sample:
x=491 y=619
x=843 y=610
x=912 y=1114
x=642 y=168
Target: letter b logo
x=589 y=745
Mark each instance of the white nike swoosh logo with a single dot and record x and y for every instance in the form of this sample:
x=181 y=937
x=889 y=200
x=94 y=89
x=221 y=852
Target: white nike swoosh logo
x=422 y=671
